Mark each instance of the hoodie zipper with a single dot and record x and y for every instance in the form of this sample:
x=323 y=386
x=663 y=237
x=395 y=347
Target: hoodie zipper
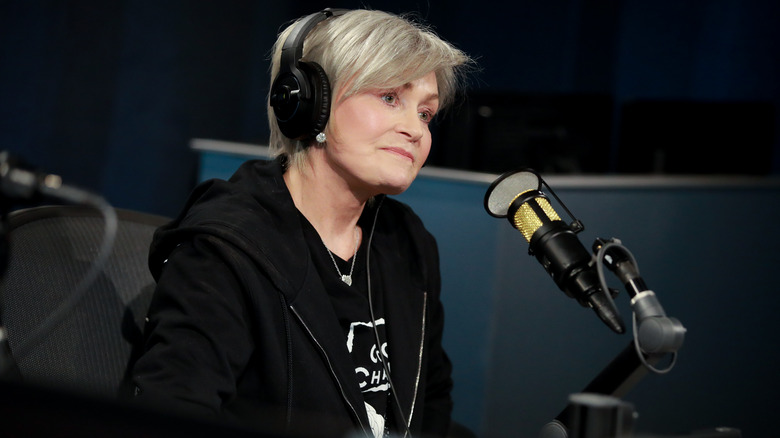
x=330 y=367
x=419 y=363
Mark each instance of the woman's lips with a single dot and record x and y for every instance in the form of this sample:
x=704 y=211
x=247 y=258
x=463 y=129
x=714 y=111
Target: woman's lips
x=402 y=152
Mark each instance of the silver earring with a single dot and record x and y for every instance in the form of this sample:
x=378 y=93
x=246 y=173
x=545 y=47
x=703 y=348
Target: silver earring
x=320 y=138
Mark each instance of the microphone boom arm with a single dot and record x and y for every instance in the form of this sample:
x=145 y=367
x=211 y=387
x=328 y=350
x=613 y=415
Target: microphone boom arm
x=655 y=335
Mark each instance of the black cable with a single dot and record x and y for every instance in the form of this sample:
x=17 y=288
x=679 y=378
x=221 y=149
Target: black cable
x=615 y=243
x=385 y=365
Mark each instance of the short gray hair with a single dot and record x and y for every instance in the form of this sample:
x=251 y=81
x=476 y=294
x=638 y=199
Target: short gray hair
x=366 y=49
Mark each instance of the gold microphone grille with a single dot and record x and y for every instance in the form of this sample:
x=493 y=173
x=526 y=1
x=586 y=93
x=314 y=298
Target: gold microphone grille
x=526 y=220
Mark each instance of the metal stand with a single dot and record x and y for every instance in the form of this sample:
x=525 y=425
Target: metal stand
x=598 y=410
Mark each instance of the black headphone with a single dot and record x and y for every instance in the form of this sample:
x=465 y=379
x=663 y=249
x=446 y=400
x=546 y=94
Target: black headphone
x=300 y=94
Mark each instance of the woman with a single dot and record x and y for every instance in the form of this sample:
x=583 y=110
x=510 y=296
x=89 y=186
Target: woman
x=295 y=295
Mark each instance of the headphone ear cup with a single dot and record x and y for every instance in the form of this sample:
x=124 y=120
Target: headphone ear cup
x=286 y=103
x=320 y=105
x=298 y=117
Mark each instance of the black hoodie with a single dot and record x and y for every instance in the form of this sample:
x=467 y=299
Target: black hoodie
x=241 y=326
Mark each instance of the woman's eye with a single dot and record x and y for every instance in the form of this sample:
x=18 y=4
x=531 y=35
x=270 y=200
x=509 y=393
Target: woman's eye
x=389 y=98
x=425 y=116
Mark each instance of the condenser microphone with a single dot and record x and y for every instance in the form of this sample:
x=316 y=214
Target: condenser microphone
x=517 y=196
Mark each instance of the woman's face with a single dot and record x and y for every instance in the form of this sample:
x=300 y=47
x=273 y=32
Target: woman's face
x=379 y=139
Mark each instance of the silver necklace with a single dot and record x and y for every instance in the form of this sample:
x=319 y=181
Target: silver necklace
x=348 y=277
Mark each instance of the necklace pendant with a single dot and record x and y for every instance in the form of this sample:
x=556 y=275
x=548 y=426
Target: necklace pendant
x=347 y=279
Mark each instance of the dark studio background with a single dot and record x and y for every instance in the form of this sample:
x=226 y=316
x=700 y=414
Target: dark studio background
x=108 y=94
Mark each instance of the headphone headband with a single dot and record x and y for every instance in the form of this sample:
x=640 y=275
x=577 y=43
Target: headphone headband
x=292 y=49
